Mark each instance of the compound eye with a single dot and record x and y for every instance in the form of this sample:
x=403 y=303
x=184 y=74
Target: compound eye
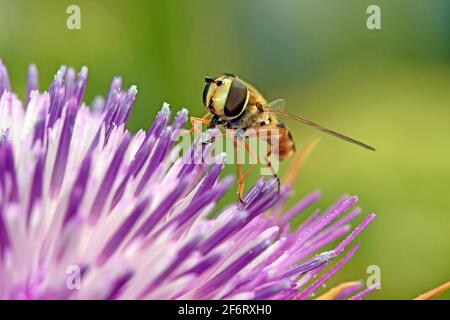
x=205 y=93
x=237 y=96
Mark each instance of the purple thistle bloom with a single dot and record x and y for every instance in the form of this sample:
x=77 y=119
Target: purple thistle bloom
x=90 y=211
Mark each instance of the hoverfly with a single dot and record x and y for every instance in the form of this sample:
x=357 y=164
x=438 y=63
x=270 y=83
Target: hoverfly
x=235 y=104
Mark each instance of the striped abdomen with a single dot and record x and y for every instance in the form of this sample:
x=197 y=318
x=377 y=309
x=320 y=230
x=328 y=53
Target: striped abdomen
x=286 y=147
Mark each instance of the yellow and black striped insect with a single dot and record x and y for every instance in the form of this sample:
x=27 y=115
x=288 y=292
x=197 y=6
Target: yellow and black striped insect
x=235 y=104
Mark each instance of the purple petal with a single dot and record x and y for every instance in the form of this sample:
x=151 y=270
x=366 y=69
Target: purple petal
x=59 y=168
x=232 y=269
x=78 y=189
x=355 y=233
x=300 y=207
x=348 y=291
x=57 y=93
x=309 y=265
x=81 y=84
x=4 y=238
x=114 y=89
x=32 y=82
x=36 y=185
x=70 y=85
x=118 y=237
x=155 y=160
x=181 y=256
x=108 y=180
x=163 y=209
x=118 y=285
x=306 y=293
x=360 y=295
x=269 y=290
x=4 y=79
x=7 y=159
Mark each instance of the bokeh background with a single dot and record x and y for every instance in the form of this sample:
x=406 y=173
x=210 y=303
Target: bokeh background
x=388 y=87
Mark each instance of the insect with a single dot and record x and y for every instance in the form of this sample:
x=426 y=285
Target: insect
x=235 y=104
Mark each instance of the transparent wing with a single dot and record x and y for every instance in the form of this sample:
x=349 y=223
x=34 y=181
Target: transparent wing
x=315 y=125
x=277 y=105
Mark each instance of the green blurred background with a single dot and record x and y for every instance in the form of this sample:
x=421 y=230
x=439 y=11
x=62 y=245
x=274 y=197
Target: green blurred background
x=388 y=87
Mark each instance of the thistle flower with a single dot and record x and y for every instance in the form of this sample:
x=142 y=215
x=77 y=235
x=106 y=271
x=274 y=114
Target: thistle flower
x=90 y=211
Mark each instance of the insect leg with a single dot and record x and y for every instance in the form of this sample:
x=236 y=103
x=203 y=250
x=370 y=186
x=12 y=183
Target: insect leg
x=243 y=175
x=194 y=121
x=278 y=133
x=240 y=182
x=268 y=164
